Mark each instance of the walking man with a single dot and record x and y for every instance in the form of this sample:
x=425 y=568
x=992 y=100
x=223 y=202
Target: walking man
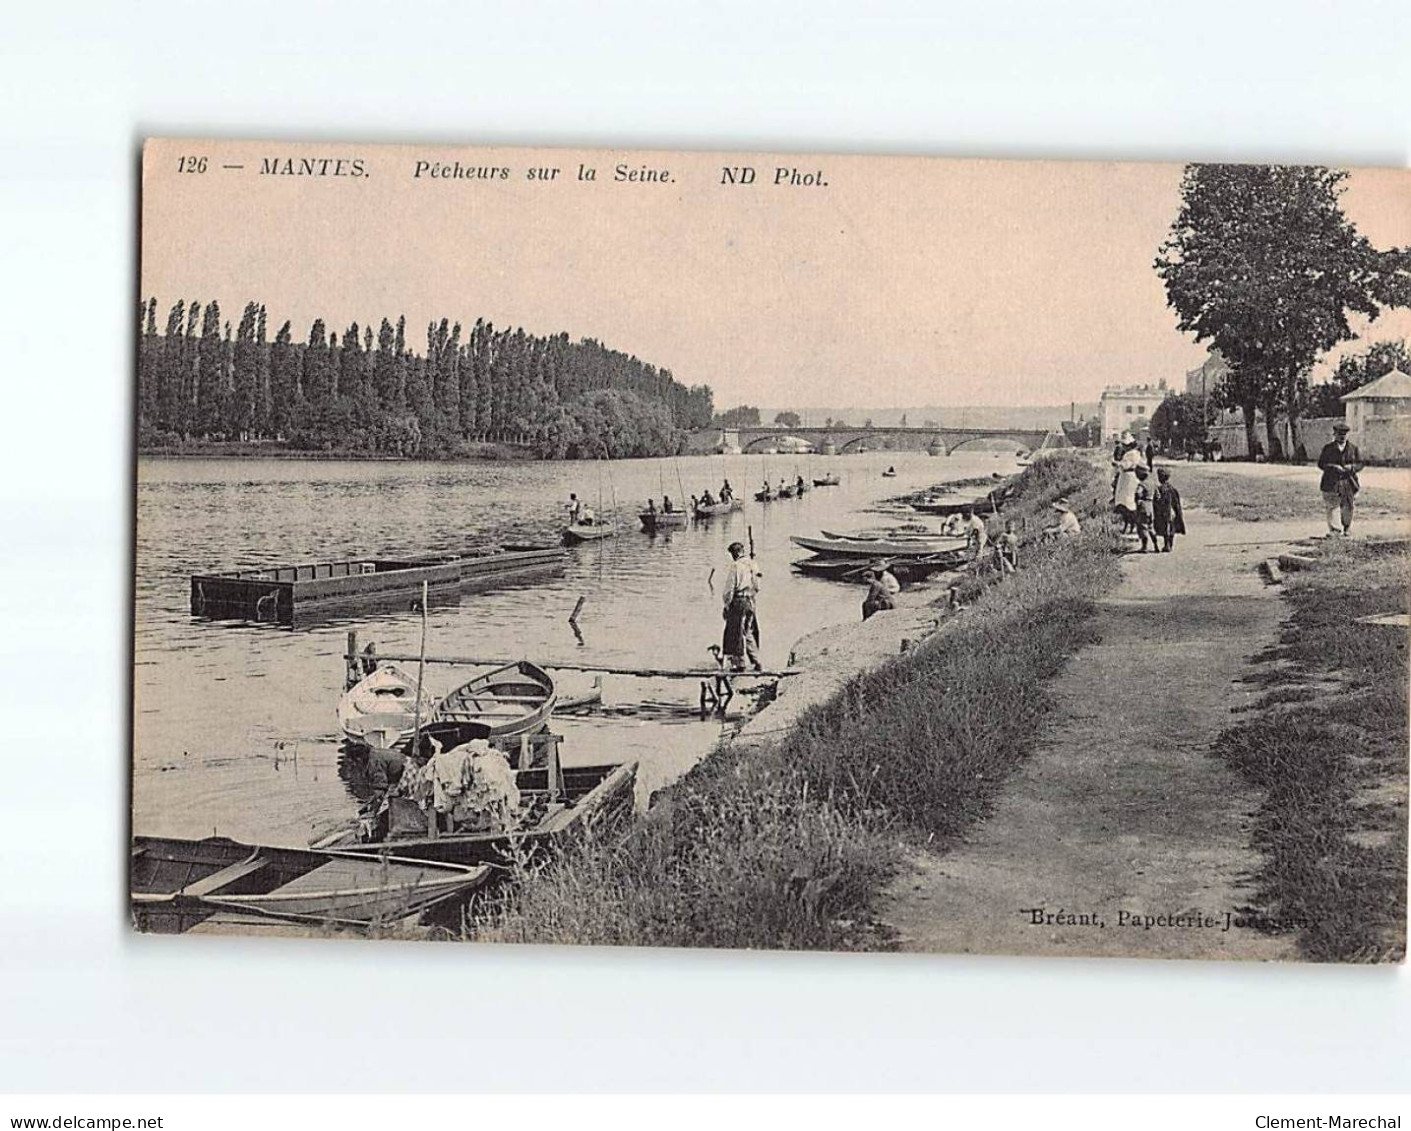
x=1340 y=462
x=741 y=640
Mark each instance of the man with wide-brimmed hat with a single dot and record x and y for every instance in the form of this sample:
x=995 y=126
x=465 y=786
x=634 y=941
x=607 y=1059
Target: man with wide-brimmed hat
x=741 y=641
x=1340 y=462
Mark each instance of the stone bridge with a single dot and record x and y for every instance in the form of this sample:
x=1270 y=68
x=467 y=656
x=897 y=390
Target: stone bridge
x=842 y=440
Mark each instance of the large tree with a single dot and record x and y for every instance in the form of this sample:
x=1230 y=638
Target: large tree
x=788 y=419
x=1262 y=263
x=741 y=415
x=1179 y=422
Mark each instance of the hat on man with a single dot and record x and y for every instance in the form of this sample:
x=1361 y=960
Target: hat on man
x=1128 y=438
x=736 y=548
x=1341 y=428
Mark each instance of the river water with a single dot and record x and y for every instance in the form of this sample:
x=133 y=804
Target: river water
x=234 y=723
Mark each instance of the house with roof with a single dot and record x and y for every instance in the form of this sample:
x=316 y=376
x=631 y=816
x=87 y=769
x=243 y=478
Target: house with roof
x=1379 y=415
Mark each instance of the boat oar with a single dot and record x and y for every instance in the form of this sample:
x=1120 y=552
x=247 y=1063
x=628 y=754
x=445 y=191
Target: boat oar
x=420 y=672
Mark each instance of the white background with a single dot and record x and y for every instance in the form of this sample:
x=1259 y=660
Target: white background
x=84 y=1006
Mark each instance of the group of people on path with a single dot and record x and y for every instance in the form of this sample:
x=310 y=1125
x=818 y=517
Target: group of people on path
x=1152 y=513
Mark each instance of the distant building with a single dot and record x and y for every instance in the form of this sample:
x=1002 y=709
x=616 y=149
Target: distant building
x=1128 y=408
x=1379 y=414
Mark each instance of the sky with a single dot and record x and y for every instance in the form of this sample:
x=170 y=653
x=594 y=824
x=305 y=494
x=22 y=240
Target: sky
x=899 y=281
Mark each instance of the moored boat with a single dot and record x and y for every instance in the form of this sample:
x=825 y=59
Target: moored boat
x=381 y=708
x=178 y=884
x=516 y=699
x=826 y=481
x=879 y=547
x=787 y=492
x=906 y=570
x=556 y=803
x=764 y=496
x=588 y=531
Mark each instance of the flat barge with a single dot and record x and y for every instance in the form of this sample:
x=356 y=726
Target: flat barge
x=288 y=593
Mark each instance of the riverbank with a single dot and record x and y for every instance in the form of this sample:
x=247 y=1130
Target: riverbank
x=235 y=449
x=1225 y=773
x=786 y=836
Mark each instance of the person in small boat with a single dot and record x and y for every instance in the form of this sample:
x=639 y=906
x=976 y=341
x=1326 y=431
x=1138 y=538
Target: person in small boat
x=726 y=492
x=707 y=499
x=384 y=768
x=1068 y=525
x=741 y=641
x=666 y=507
x=369 y=661
x=1168 y=521
x=799 y=484
x=575 y=510
x=587 y=516
x=766 y=489
x=652 y=507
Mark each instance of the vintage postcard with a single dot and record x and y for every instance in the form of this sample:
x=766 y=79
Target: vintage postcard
x=772 y=551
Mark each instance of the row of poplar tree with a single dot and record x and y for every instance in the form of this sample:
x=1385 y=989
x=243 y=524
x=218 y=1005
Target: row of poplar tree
x=361 y=392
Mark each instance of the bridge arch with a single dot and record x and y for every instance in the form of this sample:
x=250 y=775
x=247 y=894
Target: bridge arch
x=765 y=439
x=1018 y=443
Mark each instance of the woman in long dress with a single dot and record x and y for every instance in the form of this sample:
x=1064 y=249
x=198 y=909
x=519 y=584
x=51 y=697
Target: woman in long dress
x=1124 y=487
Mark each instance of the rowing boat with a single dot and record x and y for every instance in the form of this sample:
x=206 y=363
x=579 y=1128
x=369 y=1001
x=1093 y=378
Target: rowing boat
x=704 y=511
x=855 y=569
x=652 y=521
x=764 y=496
x=380 y=709
x=557 y=803
x=515 y=699
x=879 y=547
x=826 y=481
x=177 y=884
x=588 y=531
x=787 y=492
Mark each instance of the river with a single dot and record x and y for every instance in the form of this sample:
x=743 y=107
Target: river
x=234 y=723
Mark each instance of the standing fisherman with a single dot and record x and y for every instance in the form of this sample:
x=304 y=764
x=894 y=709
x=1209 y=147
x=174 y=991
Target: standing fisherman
x=741 y=641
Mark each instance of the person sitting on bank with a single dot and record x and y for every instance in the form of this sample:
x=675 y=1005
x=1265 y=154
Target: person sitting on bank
x=741 y=640
x=879 y=594
x=1339 y=462
x=1007 y=549
x=1068 y=525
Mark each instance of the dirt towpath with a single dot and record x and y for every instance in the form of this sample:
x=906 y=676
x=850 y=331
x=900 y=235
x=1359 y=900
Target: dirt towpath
x=1122 y=809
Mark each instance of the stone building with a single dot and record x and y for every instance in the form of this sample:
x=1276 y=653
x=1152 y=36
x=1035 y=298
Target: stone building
x=1128 y=408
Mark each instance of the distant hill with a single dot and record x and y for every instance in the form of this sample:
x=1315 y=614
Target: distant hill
x=967 y=416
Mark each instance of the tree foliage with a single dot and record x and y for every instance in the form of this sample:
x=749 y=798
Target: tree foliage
x=788 y=420
x=744 y=415
x=366 y=391
x=1179 y=422
x=1262 y=263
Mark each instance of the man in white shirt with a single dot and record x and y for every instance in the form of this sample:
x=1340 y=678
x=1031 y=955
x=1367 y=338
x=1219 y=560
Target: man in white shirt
x=741 y=641
x=977 y=535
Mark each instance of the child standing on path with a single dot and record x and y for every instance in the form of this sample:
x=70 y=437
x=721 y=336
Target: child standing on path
x=1168 y=521
x=1144 y=513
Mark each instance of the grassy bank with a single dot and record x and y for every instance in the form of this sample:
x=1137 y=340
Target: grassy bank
x=1236 y=491
x=1327 y=744
x=787 y=846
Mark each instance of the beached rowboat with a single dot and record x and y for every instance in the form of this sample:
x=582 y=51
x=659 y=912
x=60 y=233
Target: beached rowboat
x=879 y=547
x=515 y=699
x=380 y=709
x=177 y=884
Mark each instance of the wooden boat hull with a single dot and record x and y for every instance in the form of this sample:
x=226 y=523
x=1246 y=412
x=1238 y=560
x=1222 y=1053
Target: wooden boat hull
x=827 y=481
x=855 y=569
x=717 y=509
x=764 y=496
x=879 y=547
x=380 y=709
x=516 y=699
x=595 y=533
x=593 y=800
x=652 y=521
x=177 y=884
x=786 y=492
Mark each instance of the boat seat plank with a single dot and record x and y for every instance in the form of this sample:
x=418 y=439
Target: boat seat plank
x=226 y=876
